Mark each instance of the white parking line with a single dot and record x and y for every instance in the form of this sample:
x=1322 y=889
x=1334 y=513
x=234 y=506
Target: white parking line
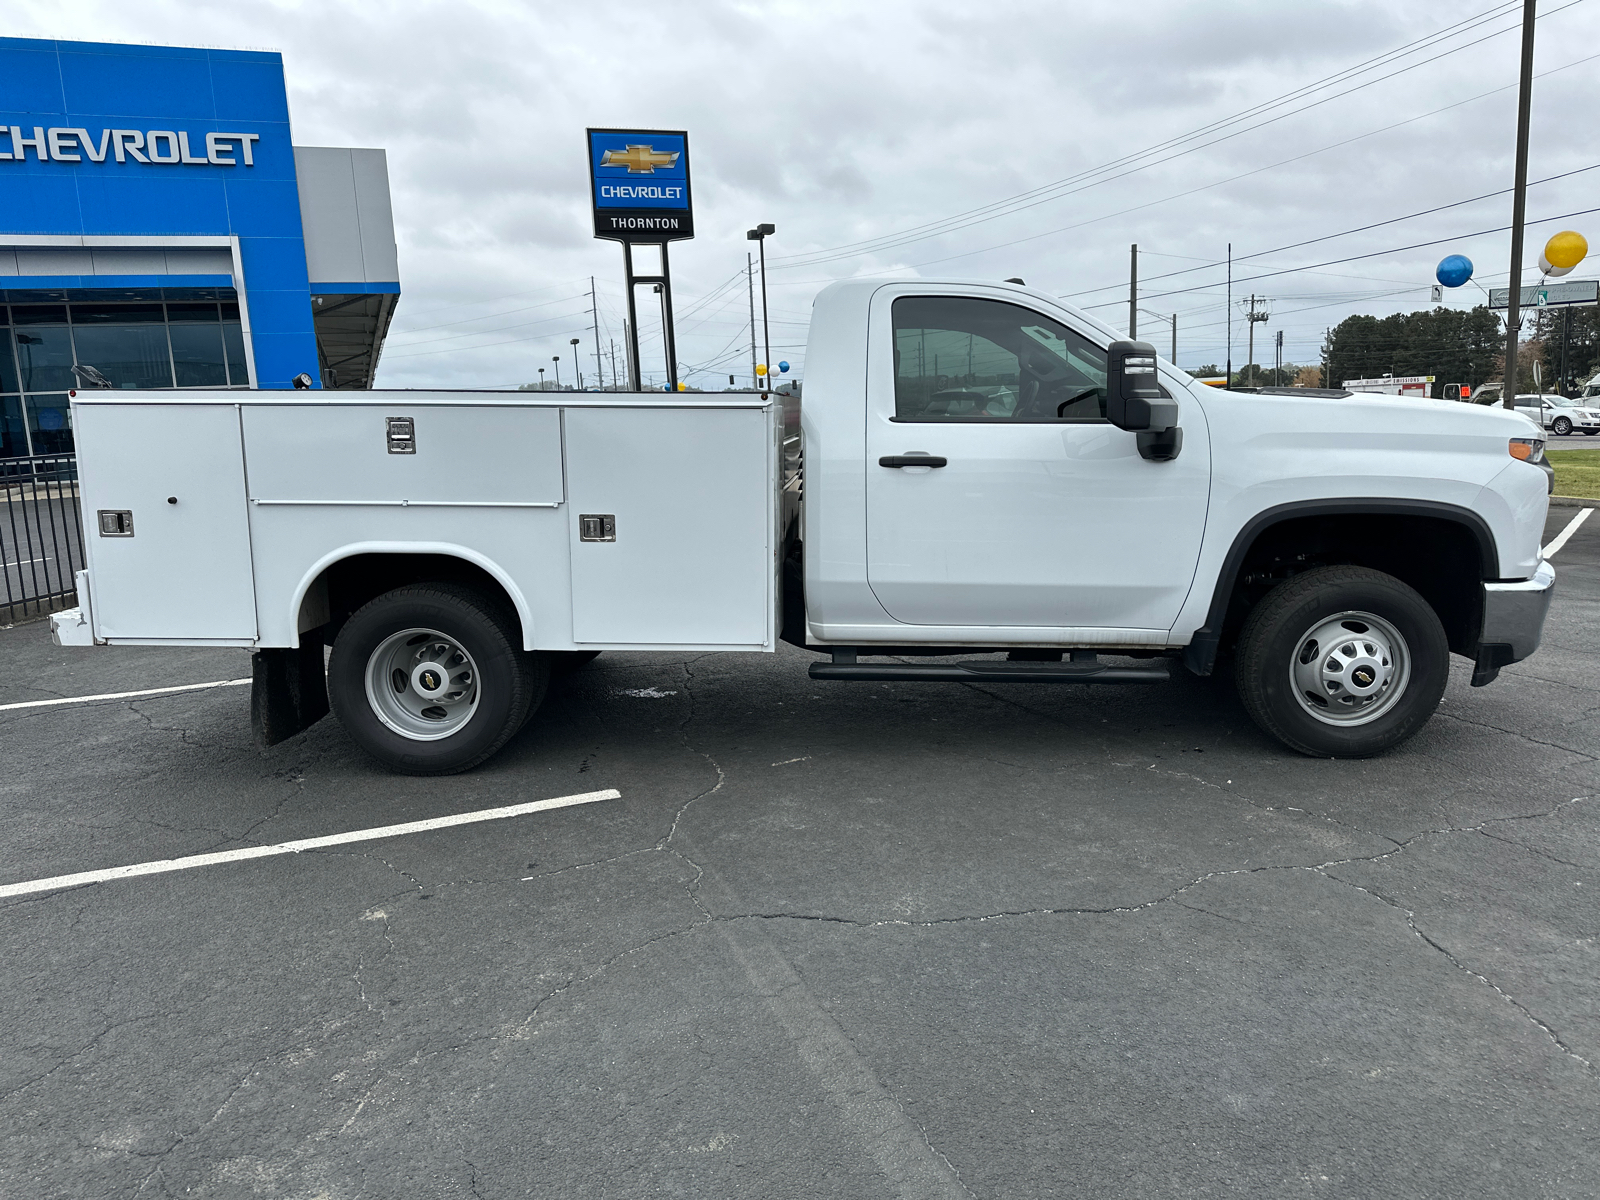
x=162 y=866
x=1561 y=538
x=187 y=687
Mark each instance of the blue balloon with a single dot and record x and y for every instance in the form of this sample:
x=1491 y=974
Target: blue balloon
x=1454 y=270
x=784 y=367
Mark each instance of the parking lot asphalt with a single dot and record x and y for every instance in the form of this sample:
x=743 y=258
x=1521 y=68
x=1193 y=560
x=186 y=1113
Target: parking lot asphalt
x=853 y=940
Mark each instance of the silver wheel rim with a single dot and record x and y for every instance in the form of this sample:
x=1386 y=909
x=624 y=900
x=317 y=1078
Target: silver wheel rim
x=1349 y=669
x=1562 y=426
x=422 y=684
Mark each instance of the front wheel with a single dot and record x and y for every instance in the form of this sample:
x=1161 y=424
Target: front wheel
x=1561 y=426
x=430 y=679
x=1342 y=662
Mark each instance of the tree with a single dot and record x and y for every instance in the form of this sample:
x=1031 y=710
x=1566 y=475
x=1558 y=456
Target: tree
x=1583 y=343
x=1452 y=345
x=1308 y=377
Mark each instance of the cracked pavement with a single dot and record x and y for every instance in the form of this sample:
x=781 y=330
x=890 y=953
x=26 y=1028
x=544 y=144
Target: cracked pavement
x=853 y=940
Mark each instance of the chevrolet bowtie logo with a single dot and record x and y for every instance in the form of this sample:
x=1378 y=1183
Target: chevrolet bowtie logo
x=640 y=160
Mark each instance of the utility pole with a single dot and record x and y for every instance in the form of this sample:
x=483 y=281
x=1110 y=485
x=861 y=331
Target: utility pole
x=750 y=282
x=627 y=357
x=1133 y=292
x=594 y=316
x=1519 y=205
x=1250 y=351
x=1254 y=318
x=613 y=342
x=1277 y=366
x=1227 y=380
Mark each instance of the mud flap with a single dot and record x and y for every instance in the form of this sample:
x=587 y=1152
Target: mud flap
x=288 y=691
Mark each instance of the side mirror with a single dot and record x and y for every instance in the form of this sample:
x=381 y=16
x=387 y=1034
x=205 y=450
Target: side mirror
x=1133 y=393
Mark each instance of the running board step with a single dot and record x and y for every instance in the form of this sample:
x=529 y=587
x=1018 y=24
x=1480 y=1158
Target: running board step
x=991 y=671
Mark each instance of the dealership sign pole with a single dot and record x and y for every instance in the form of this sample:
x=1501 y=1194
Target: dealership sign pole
x=639 y=183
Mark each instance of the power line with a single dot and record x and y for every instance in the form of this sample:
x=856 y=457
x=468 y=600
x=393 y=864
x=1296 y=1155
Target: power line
x=1343 y=233
x=1122 y=212
x=1086 y=178
x=1582 y=212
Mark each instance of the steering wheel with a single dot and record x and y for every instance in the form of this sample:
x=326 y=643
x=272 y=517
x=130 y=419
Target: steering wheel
x=1044 y=372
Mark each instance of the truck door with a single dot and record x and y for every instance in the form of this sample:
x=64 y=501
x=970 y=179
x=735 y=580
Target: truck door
x=1043 y=514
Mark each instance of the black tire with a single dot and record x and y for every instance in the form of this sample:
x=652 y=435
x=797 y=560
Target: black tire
x=1272 y=638
x=1561 y=426
x=565 y=662
x=510 y=683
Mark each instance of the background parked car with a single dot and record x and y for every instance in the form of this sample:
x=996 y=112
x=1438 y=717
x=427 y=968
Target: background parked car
x=1560 y=415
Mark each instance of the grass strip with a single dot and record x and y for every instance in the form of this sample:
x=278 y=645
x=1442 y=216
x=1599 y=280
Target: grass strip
x=1577 y=472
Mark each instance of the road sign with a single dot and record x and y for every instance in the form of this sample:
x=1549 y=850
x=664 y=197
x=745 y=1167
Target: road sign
x=639 y=183
x=1569 y=293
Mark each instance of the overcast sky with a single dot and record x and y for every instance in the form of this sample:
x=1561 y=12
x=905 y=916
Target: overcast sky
x=850 y=123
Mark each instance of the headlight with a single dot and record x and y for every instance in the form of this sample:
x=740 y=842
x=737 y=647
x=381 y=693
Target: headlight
x=1527 y=449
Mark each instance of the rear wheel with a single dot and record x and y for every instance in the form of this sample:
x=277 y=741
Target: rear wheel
x=430 y=679
x=1342 y=662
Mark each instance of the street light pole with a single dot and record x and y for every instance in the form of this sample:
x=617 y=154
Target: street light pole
x=759 y=235
x=1172 y=317
x=1133 y=292
x=750 y=287
x=1519 y=202
x=556 y=358
x=541 y=379
x=575 y=369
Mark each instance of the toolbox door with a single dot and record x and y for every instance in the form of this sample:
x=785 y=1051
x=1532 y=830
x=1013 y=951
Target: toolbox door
x=167 y=533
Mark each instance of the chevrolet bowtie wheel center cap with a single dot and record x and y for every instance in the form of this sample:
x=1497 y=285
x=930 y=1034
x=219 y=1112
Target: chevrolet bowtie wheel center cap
x=422 y=684
x=1350 y=669
x=429 y=679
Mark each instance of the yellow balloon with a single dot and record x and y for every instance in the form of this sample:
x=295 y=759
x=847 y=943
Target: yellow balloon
x=1566 y=250
x=683 y=387
x=761 y=368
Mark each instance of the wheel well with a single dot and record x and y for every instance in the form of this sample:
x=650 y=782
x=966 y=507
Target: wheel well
x=1443 y=559
x=346 y=585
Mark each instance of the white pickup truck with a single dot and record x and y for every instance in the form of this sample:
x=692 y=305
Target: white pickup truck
x=977 y=469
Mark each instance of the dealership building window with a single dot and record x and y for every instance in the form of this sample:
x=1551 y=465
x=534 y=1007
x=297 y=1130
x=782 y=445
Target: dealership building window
x=194 y=342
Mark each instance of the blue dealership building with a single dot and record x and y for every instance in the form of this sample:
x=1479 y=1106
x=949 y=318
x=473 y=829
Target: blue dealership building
x=160 y=229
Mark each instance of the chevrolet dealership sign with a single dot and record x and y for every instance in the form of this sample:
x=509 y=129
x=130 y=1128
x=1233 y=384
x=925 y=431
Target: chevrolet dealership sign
x=639 y=182
x=60 y=144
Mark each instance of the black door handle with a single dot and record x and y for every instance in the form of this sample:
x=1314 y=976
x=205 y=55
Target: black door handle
x=912 y=460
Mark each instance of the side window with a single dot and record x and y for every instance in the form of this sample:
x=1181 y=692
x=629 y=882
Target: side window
x=963 y=359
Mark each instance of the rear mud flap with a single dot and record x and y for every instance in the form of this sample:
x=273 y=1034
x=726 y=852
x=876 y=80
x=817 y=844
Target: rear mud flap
x=288 y=692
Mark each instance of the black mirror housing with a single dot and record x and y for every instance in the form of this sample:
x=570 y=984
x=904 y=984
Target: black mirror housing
x=1133 y=392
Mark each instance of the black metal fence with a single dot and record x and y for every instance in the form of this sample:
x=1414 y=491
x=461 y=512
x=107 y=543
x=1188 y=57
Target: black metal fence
x=41 y=534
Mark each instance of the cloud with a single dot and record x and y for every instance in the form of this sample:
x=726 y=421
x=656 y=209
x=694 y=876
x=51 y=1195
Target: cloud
x=846 y=122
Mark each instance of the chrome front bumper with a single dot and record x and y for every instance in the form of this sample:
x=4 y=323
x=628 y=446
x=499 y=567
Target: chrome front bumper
x=1513 y=622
